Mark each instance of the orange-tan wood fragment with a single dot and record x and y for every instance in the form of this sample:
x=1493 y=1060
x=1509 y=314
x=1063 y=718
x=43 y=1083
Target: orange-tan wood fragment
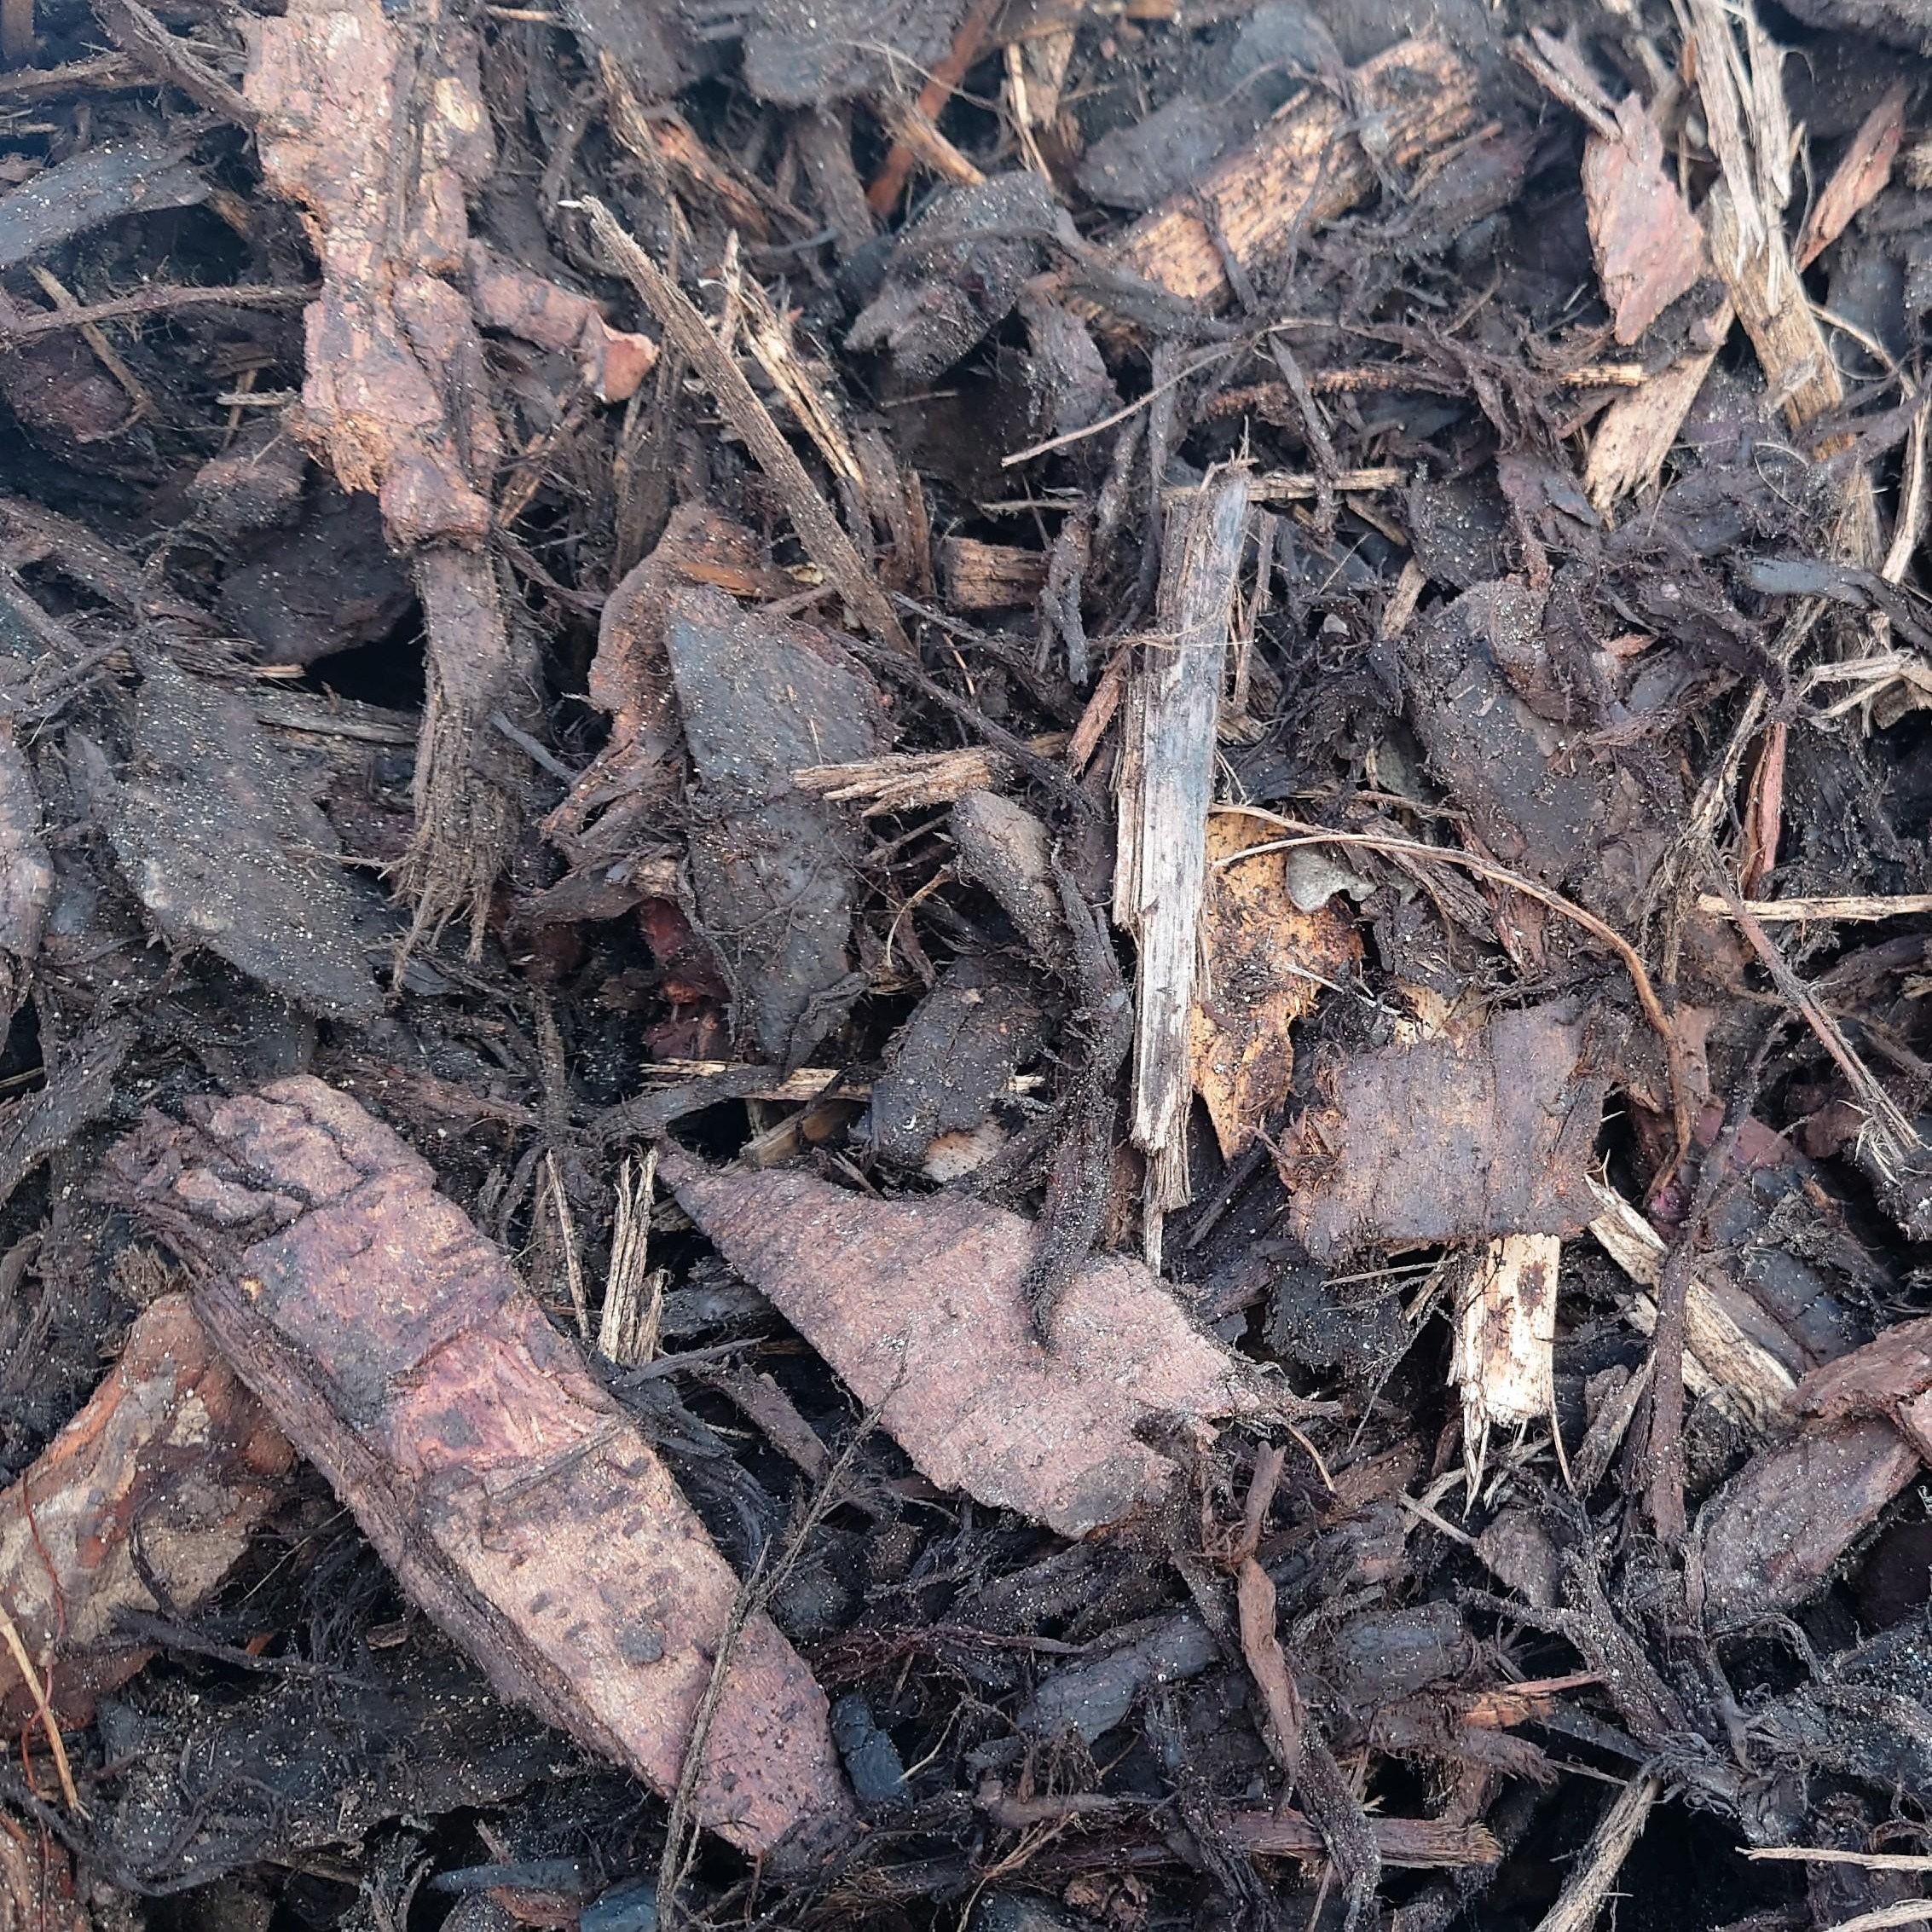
x=1263 y=964
x=1305 y=167
x=920 y=1307
x=1861 y=174
x=612 y=362
x=170 y=1451
x=515 y=1499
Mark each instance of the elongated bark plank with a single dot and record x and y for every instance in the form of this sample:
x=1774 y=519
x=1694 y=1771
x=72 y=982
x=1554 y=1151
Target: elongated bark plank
x=919 y=1305
x=513 y=1498
x=171 y=1450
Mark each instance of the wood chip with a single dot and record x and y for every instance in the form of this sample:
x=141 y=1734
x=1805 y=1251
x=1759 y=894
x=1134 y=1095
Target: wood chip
x=1772 y=1537
x=918 y=1305
x=170 y=1448
x=773 y=867
x=1649 y=248
x=1165 y=786
x=1304 y=168
x=1504 y=1340
x=1862 y=171
x=518 y=1503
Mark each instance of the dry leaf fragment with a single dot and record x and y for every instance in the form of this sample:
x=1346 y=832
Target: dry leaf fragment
x=919 y=1305
x=1862 y=170
x=1649 y=248
x=171 y=1449
x=1263 y=963
x=516 y=1501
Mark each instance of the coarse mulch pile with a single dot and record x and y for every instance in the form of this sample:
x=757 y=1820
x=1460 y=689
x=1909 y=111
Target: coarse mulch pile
x=967 y=965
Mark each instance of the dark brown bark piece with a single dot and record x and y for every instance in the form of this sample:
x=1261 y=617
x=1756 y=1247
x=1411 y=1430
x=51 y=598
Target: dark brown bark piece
x=220 y=845
x=26 y=876
x=1876 y=1379
x=919 y=1305
x=956 y=1055
x=957 y=272
x=101 y=183
x=327 y=584
x=515 y=1499
x=1772 y=1537
x=37 y=1882
x=1450 y=1141
x=170 y=1452
x=804 y=53
x=1534 y=797
x=773 y=867
x=1649 y=249
x=1006 y=848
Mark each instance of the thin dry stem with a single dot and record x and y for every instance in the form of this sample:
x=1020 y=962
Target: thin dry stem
x=9 y=1631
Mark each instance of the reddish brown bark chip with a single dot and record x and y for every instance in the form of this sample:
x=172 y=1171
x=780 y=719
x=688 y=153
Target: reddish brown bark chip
x=1875 y=1379
x=1772 y=1537
x=171 y=1450
x=513 y=1498
x=613 y=362
x=1649 y=249
x=37 y=1882
x=918 y=1305
x=1450 y=1141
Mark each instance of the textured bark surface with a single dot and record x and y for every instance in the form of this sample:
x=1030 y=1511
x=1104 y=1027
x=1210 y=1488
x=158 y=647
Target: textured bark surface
x=1773 y=1536
x=173 y=1454
x=515 y=1499
x=1450 y=1141
x=918 y=1305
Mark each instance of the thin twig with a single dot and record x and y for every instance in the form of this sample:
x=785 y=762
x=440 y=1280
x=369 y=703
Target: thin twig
x=1847 y=909
x=1907 y=1911
x=761 y=1582
x=37 y=1691
x=1618 y=1828
x=1833 y=1855
x=15 y=325
x=683 y=325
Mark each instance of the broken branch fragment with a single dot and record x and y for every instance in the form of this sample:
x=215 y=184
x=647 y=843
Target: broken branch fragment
x=1504 y=1340
x=1165 y=784
x=143 y=1502
x=515 y=1499
x=920 y=1306
x=819 y=530
x=378 y=137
